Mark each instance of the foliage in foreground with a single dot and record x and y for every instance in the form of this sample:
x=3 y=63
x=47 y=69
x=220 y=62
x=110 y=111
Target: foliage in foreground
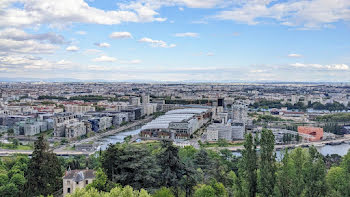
x=163 y=170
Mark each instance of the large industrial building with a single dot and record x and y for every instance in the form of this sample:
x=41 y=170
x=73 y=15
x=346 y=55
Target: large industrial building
x=177 y=124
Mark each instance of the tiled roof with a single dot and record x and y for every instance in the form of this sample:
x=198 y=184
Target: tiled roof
x=79 y=175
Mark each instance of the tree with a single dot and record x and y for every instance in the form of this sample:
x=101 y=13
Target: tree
x=130 y=164
x=338 y=182
x=248 y=167
x=163 y=192
x=286 y=176
x=298 y=159
x=267 y=176
x=220 y=190
x=126 y=191
x=314 y=174
x=44 y=171
x=346 y=162
x=3 y=179
x=172 y=168
x=15 y=143
x=9 y=190
x=10 y=131
x=18 y=180
x=100 y=183
x=204 y=191
x=203 y=161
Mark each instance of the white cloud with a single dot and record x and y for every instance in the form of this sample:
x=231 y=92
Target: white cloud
x=103 y=44
x=25 y=47
x=81 y=32
x=130 y=61
x=16 y=63
x=16 y=41
x=72 y=48
x=306 y=14
x=294 y=55
x=105 y=58
x=334 y=67
x=257 y=71
x=119 y=35
x=99 y=68
x=20 y=35
x=157 y=43
x=210 y=54
x=181 y=9
x=187 y=34
x=63 y=12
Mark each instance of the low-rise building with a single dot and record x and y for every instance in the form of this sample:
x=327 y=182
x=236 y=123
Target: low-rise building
x=316 y=132
x=75 y=179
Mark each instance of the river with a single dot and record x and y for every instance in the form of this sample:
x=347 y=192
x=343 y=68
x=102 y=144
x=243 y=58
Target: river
x=118 y=137
x=340 y=149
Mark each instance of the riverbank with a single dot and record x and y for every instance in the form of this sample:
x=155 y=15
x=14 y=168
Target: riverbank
x=99 y=136
x=292 y=146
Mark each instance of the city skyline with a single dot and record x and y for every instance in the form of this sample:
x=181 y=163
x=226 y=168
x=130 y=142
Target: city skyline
x=176 y=40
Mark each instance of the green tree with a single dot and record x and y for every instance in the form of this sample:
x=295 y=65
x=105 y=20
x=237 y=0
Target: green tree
x=314 y=174
x=18 y=180
x=44 y=174
x=126 y=191
x=346 y=162
x=101 y=183
x=338 y=182
x=203 y=161
x=298 y=162
x=3 y=179
x=248 y=167
x=163 y=192
x=220 y=190
x=130 y=164
x=204 y=191
x=15 y=143
x=9 y=190
x=284 y=186
x=172 y=168
x=267 y=175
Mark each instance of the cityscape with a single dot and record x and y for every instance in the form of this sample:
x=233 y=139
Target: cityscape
x=174 y=98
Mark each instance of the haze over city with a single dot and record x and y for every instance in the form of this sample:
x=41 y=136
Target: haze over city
x=175 y=40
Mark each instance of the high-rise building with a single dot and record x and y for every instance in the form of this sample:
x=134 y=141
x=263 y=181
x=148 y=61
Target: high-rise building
x=135 y=101
x=145 y=99
x=221 y=102
x=239 y=113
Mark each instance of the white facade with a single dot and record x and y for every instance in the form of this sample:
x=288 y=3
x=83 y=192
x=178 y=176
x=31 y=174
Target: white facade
x=78 y=108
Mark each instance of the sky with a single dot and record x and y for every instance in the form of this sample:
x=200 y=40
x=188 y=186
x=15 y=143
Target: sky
x=176 y=40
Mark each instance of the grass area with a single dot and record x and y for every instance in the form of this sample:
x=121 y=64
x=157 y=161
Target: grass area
x=48 y=133
x=221 y=144
x=24 y=147
x=14 y=147
x=69 y=148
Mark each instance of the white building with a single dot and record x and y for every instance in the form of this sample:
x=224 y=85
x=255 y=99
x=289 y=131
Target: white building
x=78 y=109
x=135 y=101
x=239 y=113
